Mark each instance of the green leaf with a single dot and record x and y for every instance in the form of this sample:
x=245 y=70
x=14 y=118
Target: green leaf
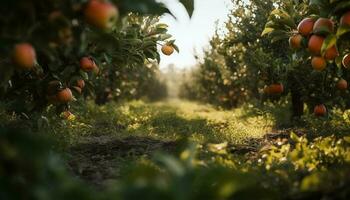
x=176 y=48
x=338 y=61
x=161 y=30
x=165 y=37
x=342 y=6
x=310 y=182
x=316 y=2
x=278 y=35
x=142 y=6
x=347 y=139
x=267 y=30
x=189 y=5
x=342 y=30
x=329 y=42
x=84 y=75
x=161 y=25
x=284 y=18
x=172 y=164
x=294 y=137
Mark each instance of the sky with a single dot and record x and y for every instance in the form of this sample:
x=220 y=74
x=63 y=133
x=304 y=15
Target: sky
x=193 y=35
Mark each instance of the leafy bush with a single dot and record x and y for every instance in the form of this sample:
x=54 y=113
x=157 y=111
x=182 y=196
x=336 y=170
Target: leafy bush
x=292 y=169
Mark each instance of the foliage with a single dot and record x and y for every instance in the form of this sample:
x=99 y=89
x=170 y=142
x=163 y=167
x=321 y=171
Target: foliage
x=312 y=86
x=58 y=34
x=240 y=63
x=291 y=168
x=29 y=169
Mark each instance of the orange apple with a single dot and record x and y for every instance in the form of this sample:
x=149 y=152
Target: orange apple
x=101 y=14
x=24 y=56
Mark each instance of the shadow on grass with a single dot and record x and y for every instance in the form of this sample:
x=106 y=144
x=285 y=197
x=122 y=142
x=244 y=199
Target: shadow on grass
x=165 y=121
x=280 y=114
x=171 y=123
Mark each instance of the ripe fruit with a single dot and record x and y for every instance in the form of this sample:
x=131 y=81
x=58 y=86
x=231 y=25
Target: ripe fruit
x=315 y=44
x=101 y=14
x=87 y=64
x=306 y=26
x=346 y=60
x=318 y=63
x=345 y=19
x=167 y=50
x=65 y=95
x=323 y=26
x=331 y=53
x=81 y=83
x=295 y=41
x=320 y=110
x=24 y=56
x=276 y=88
x=342 y=84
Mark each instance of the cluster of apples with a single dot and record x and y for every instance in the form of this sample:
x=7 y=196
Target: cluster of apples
x=57 y=93
x=315 y=32
x=99 y=14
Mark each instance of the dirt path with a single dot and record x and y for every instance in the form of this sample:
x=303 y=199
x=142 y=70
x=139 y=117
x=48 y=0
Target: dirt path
x=98 y=159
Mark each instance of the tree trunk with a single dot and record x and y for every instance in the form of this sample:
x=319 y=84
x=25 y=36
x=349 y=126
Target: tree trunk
x=297 y=104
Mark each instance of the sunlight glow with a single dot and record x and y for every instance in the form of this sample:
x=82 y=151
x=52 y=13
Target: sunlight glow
x=193 y=35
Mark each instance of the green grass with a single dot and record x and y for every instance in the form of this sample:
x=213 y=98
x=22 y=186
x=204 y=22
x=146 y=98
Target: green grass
x=172 y=120
x=116 y=146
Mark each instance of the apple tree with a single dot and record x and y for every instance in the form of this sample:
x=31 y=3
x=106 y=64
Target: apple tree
x=52 y=51
x=318 y=35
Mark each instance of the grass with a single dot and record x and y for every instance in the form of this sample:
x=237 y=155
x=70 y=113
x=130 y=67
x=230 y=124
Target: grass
x=119 y=143
x=108 y=137
x=173 y=120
